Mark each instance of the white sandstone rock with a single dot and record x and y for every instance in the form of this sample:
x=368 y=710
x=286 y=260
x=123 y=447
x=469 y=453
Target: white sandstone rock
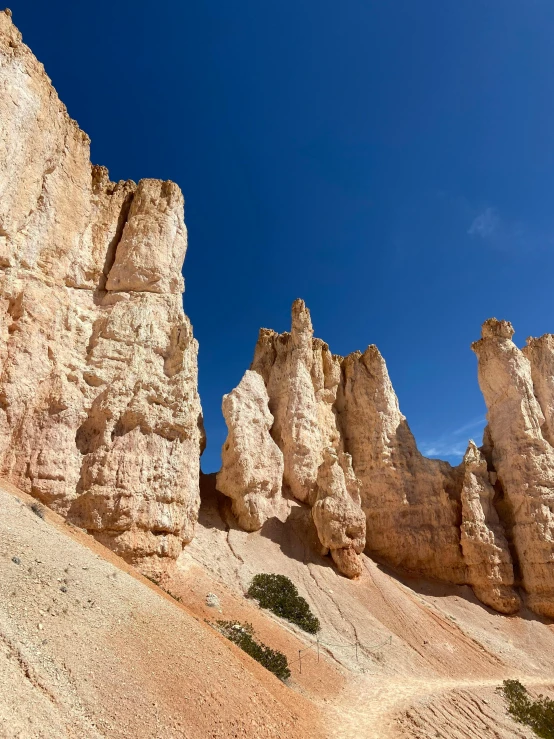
x=252 y=463
x=99 y=412
x=484 y=545
x=522 y=458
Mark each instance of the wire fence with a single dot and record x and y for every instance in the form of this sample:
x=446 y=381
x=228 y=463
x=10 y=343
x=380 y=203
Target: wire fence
x=357 y=646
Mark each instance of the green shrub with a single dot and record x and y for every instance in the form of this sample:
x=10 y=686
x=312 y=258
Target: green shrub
x=37 y=510
x=279 y=595
x=243 y=636
x=539 y=714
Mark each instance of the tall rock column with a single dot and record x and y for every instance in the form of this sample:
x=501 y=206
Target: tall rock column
x=486 y=552
x=99 y=410
x=338 y=517
x=412 y=503
x=522 y=457
x=540 y=353
x=252 y=463
x=301 y=377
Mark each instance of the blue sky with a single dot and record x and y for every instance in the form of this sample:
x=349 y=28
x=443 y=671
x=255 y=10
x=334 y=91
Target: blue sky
x=389 y=162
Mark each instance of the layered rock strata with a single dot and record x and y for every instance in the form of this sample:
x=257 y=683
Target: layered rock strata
x=521 y=456
x=252 y=469
x=99 y=411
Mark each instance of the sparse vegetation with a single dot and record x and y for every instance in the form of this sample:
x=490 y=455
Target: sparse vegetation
x=37 y=509
x=161 y=587
x=538 y=714
x=243 y=636
x=278 y=594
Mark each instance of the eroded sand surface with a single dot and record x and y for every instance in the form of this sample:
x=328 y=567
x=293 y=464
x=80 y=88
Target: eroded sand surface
x=89 y=648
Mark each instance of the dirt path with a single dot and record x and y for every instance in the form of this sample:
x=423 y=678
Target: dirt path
x=385 y=709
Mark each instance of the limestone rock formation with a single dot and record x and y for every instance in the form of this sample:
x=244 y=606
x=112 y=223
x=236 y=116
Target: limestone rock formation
x=252 y=463
x=412 y=503
x=99 y=410
x=325 y=405
x=302 y=378
x=320 y=401
x=522 y=458
x=348 y=449
x=540 y=353
x=338 y=517
x=484 y=544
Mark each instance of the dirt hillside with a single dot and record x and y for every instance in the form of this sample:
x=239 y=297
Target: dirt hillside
x=89 y=648
x=410 y=658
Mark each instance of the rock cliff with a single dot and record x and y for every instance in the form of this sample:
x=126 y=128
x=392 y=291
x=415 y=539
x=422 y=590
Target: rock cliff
x=521 y=456
x=99 y=411
x=350 y=455
x=328 y=409
x=484 y=544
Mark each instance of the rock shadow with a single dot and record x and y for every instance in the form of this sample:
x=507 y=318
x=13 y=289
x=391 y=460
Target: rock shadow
x=438 y=589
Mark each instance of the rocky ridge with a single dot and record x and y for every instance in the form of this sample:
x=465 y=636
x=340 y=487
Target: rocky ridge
x=348 y=449
x=99 y=411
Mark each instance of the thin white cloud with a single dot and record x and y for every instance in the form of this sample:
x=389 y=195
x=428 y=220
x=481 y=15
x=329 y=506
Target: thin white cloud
x=508 y=235
x=444 y=450
x=477 y=422
x=453 y=445
x=486 y=224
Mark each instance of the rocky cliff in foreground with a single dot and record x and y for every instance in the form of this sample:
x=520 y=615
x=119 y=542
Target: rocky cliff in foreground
x=99 y=411
x=349 y=454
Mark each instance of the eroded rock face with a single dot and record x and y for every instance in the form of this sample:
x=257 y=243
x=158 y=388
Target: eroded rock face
x=540 y=353
x=522 y=458
x=484 y=544
x=252 y=463
x=99 y=410
x=338 y=517
x=411 y=503
x=324 y=404
x=349 y=454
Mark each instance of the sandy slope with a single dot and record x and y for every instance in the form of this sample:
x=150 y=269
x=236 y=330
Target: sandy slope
x=429 y=656
x=90 y=649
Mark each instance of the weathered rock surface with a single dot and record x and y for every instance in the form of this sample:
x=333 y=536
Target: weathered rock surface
x=322 y=401
x=252 y=463
x=484 y=544
x=540 y=353
x=349 y=453
x=99 y=410
x=326 y=405
x=338 y=517
x=522 y=458
x=412 y=504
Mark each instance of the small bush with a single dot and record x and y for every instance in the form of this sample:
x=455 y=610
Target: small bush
x=37 y=510
x=278 y=594
x=539 y=714
x=243 y=636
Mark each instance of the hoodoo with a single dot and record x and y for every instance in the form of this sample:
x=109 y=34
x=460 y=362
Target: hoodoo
x=520 y=454
x=348 y=449
x=99 y=410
